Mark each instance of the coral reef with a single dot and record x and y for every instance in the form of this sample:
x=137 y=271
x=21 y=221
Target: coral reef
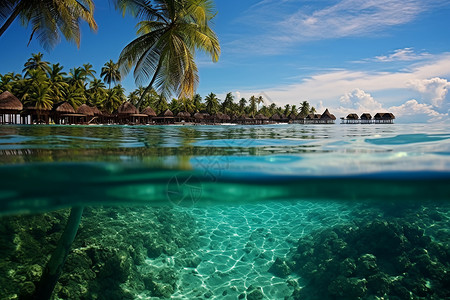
x=110 y=255
x=385 y=258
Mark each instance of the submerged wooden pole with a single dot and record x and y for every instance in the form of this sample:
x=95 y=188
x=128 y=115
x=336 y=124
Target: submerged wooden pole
x=55 y=265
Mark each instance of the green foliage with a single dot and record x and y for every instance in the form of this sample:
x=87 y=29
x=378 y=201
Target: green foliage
x=48 y=19
x=168 y=36
x=227 y=105
x=212 y=104
x=252 y=105
x=110 y=73
x=304 y=109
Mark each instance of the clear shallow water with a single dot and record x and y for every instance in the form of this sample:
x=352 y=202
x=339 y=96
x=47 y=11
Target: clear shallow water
x=221 y=204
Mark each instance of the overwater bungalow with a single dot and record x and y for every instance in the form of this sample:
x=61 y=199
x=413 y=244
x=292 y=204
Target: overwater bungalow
x=36 y=115
x=63 y=113
x=313 y=119
x=84 y=114
x=292 y=117
x=384 y=118
x=275 y=117
x=183 y=116
x=106 y=117
x=127 y=113
x=350 y=119
x=198 y=117
x=10 y=108
x=165 y=117
x=327 y=118
x=261 y=119
x=150 y=113
x=366 y=118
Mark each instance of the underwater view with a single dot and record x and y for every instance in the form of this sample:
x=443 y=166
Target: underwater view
x=357 y=211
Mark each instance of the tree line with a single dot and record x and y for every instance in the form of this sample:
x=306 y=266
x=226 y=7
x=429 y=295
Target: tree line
x=43 y=84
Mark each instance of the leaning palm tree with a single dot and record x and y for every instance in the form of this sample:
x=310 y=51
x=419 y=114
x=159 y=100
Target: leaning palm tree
x=110 y=73
x=49 y=18
x=170 y=33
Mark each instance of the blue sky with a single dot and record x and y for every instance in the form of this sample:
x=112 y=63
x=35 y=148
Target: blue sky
x=347 y=55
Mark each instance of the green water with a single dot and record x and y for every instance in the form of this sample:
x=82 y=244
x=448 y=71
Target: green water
x=228 y=212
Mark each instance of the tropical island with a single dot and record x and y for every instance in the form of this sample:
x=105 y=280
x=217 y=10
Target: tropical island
x=46 y=94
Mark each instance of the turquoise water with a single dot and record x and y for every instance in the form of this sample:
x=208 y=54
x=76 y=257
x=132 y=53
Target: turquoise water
x=228 y=212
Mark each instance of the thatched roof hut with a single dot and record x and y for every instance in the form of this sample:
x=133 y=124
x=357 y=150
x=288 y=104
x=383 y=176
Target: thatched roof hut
x=292 y=116
x=167 y=114
x=276 y=117
x=10 y=102
x=183 y=114
x=261 y=117
x=85 y=110
x=327 y=115
x=352 y=117
x=366 y=116
x=384 y=116
x=149 y=112
x=63 y=107
x=198 y=116
x=95 y=110
x=127 y=109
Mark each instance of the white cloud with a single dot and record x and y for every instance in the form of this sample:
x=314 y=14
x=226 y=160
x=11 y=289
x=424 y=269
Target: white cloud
x=352 y=18
x=434 y=91
x=405 y=54
x=360 y=101
x=282 y=24
x=414 y=112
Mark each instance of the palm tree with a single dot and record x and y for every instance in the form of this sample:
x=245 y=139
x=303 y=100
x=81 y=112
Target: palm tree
x=88 y=71
x=57 y=83
x=272 y=109
x=227 y=103
x=160 y=104
x=35 y=62
x=253 y=105
x=168 y=37
x=287 y=110
x=77 y=78
x=9 y=81
x=75 y=96
x=110 y=73
x=212 y=103
x=49 y=18
x=259 y=100
x=197 y=103
x=34 y=78
x=312 y=110
x=186 y=104
x=133 y=97
x=242 y=104
x=304 y=109
x=120 y=91
x=96 y=92
x=112 y=100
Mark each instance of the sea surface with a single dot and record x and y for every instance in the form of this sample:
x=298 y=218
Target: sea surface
x=228 y=212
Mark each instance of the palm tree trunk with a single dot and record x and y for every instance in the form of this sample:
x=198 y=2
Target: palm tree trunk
x=12 y=17
x=55 y=265
x=138 y=105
